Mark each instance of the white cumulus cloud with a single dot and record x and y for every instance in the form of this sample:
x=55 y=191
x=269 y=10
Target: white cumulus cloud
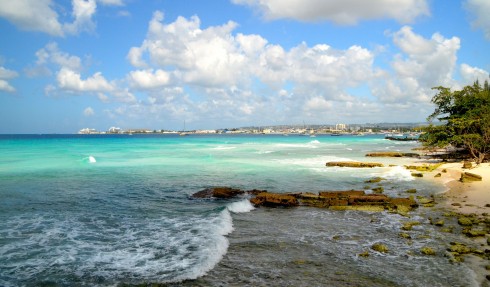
x=149 y=79
x=339 y=11
x=422 y=64
x=42 y=16
x=5 y=75
x=225 y=70
x=471 y=74
x=34 y=15
x=83 y=10
x=480 y=9
x=70 y=80
x=52 y=55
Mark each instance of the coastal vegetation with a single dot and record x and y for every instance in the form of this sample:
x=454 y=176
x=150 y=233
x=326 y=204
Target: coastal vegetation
x=465 y=117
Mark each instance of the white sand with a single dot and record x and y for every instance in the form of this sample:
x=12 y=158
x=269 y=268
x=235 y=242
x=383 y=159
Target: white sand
x=466 y=197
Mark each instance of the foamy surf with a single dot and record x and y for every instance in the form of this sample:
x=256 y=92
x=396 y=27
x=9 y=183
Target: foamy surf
x=91 y=159
x=240 y=206
x=398 y=173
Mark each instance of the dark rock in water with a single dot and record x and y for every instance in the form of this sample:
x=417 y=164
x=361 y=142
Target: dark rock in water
x=274 y=200
x=218 y=192
x=467 y=176
x=354 y=164
x=374 y=180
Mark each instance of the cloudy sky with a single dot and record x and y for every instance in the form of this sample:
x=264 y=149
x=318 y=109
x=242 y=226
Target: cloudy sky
x=67 y=65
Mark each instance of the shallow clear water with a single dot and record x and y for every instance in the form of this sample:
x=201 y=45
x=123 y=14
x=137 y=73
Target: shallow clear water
x=109 y=210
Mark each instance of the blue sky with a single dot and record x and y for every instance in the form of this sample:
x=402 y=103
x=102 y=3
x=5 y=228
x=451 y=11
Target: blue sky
x=68 y=65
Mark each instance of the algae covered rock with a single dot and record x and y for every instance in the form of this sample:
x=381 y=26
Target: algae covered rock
x=427 y=251
x=465 y=221
x=392 y=154
x=405 y=235
x=355 y=164
x=364 y=254
x=380 y=247
x=459 y=248
x=413 y=190
x=439 y=223
x=407 y=226
x=474 y=232
x=468 y=177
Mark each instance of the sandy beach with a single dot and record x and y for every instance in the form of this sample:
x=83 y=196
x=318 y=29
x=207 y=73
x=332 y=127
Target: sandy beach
x=465 y=197
x=471 y=198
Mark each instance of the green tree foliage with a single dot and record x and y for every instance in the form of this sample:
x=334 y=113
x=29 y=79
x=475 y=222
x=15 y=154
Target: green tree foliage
x=465 y=115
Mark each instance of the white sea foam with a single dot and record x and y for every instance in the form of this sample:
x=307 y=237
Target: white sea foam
x=224 y=147
x=312 y=144
x=398 y=173
x=91 y=159
x=265 y=152
x=160 y=250
x=241 y=206
x=216 y=249
x=312 y=162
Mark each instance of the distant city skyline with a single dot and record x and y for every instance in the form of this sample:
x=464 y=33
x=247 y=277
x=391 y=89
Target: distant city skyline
x=69 y=65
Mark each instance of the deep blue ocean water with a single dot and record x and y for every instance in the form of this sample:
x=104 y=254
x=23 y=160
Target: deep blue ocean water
x=106 y=210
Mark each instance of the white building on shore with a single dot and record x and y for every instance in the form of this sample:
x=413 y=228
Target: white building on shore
x=87 y=131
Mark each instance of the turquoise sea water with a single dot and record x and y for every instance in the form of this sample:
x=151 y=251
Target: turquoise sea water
x=98 y=210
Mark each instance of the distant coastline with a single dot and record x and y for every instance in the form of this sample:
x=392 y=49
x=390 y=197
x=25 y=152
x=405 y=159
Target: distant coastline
x=392 y=130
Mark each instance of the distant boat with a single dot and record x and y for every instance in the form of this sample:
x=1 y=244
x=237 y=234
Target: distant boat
x=335 y=134
x=183 y=133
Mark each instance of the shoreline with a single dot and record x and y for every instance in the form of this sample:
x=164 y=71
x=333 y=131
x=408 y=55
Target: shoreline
x=470 y=199
x=463 y=197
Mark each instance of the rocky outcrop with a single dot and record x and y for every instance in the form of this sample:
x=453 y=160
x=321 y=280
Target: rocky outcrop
x=223 y=192
x=380 y=247
x=218 y=192
x=392 y=154
x=468 y=176
x=424 y=167
x=338 y=200
x=354 y=164
x=274 y=200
